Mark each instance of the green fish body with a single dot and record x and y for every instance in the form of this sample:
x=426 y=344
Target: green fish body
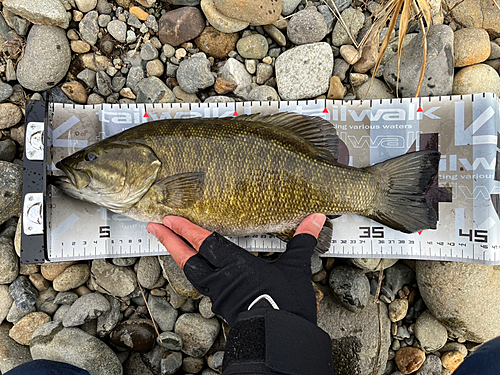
x=246 y=175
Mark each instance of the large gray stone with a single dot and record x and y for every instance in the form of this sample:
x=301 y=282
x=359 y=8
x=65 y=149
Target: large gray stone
x=153 y=90
x=307 y=26
x=89 y=27
x=111 y=279
x=72 y=345
x=9 y=266
x=11 y=185
x=85 y=308
x=163 y=312
x=476 y=79
x=46 y=60
x=194 y=75
x=355 y=335
x=351 y=287
x=304 y=72
x=439 y=68
x=464 y=297
x=148 y=271
x=354 y=19
x=40 y=12
x=197 y=333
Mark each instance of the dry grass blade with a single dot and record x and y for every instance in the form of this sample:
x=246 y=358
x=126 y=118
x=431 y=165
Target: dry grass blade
x=396 y=5
x=337 y=15
x=423 y=6
x=403 y=28
x=424 y=56
x=496 y=3
x=149 y=310
x=377 y=301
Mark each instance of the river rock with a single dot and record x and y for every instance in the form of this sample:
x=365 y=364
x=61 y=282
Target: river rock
x=253 y=46
x=85 y=308
x=354 y=336
x=439 y=71
x=10 y=198
x=9 y=266
x=431 y=366
x=256 y=12
x=6 y=302
x=23 y=330
x=351 y=287
x=198 y=334
x=40 y=12
x=409 y=359
x=135 y=366
x=476 y=79
x=8 y=148
x=45 y=301
x=180 y=25
x=455 y=294
x=215 y=43
x=23 y=292
x=10 y=115
x=195 y=74
x=109 y=319
x=89 y=27
x=65 y=298
x=170 y=363
x=354 y=19
x=170 y=340
x=471 y=13
x=471 y=46
x=75 y=91
x=111 y=279
x=46 y=60
x=148 y=271
x=153 y=90
x=51 y=270
x=289 y=6
x=72 y=345
x=307 y=26
x=263 y=93
x=163 y=313
x=219 y=21
x=135 y=334
x=72 y=277
x=397 y=276
x=16 y=314
x=12 y=354
x=430 y=333
x=304 y=72
x=236 y=71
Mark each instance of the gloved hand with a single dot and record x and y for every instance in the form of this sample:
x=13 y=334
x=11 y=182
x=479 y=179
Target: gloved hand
x=234 y=278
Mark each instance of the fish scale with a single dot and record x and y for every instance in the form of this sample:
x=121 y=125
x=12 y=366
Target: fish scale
x=266 y=181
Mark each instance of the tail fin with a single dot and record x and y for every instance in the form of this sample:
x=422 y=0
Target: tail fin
x=404 y=180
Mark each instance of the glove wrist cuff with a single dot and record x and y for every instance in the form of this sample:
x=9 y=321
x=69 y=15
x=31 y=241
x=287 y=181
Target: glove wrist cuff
x=268 y=341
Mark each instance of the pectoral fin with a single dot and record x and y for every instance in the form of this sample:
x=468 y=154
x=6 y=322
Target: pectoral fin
x=181 y=190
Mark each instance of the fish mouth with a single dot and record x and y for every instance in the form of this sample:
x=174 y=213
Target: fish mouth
x=78 y=178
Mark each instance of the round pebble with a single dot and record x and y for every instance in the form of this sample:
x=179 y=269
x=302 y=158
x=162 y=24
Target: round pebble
x=254 y=46
x=260 y=12
x=72 y=277
x=476 y=79
x=307 y=26
x=219 y=21
x=85 y=308
x=180 y=25
x=451 y=360
x=170 y=341
x=89 y=27
x=148 y=271
x=398 y=309
x=263 y=93
x=409 y=359
x=75 y=91
x=10 y=115
x=430 y=333
x=86 y=5
x=192 y=365
x=171 y=362
x=194 y=75
x=118 y=30
x=205 y=308
x=79 y=46
x=198 y=334
x=155 y=68
x=163 y=313
x=39 y=282
x=111 y=279
x=471 y=46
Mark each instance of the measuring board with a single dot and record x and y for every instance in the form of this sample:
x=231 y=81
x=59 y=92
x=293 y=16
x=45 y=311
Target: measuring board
x=465 y=194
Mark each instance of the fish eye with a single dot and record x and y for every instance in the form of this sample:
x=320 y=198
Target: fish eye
x=90 y=156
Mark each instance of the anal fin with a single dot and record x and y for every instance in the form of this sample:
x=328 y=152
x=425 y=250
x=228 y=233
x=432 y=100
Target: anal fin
x=181 y=190
x=324 y=238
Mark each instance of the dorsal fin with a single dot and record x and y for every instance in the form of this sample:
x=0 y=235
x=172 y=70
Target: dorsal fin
x=317 y=132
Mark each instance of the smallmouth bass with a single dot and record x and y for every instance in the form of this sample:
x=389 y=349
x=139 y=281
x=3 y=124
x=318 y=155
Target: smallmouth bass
x=246 y=175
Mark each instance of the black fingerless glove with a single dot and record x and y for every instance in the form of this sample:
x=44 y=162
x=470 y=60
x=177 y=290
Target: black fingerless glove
x=280 y=339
